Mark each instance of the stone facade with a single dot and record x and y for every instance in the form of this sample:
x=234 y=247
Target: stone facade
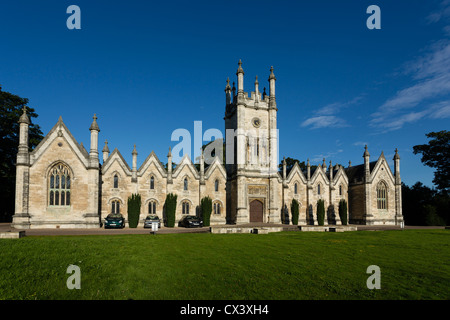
x=62 y=185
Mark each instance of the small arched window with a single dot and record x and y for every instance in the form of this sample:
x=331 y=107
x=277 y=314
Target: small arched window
x=115 y=206
x=381 y=196
x=318 y=188
x=185 y=207
x=295 y=189
x=152 y=182
x=216 y=185
x=185 y=184
x=340 y=190
x=116 y=181
x=217 y=208
x=59 y=186
x=152 y=207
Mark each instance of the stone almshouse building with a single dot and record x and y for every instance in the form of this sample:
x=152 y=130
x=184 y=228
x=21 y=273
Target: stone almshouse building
x=62 y=185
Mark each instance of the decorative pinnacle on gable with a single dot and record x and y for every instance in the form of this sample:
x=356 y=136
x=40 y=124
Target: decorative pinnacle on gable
x=228 y=85
x=134 y=151
x=24 y=117
x=396 y=156
x=366 y=152
x=105 y=148
x=272 y=75
x=240 y=70
x=94 y=125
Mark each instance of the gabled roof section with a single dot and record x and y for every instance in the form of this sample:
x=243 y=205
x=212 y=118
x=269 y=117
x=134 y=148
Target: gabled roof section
x=60 y=130
x=116 y=156
x=295 y=170
x=186 y=161
x=319 y=172
x=356 y=173
x=338 y=173
x=152 y=158
x=379 y=163
x=216 y=164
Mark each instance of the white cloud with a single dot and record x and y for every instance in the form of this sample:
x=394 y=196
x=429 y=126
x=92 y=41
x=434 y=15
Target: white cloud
x=324 y=122
x=326 y=116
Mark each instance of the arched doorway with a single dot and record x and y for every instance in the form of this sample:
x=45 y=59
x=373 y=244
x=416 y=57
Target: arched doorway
x=256 y=211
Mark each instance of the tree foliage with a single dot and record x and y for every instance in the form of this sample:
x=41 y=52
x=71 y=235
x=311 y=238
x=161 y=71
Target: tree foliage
x=134 y=209
x=294 y=211
x=11 y=107
x=423 y=206
x=206 y=209
x=320 y=212
x=436 y=154
x=343 y=211
x=170 y=208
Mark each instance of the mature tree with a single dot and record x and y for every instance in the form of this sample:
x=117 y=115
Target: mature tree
x=290 y=162
x=11 y=108
x=436 y=154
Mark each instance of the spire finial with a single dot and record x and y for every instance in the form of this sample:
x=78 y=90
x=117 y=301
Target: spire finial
x=24 y=117
x=240 y=70
x=94 y=125
x=272 y=75
x=134 y=151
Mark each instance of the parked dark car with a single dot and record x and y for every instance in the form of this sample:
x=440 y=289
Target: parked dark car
x=114 y=220
x=151 y=218
x=190 y=222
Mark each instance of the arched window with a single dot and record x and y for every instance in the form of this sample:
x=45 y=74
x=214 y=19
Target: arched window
x=116 y=181
x=381 y=196
x=115 y=206
x=340 y=190
x=152 y=207
x=216 y=185
x=59 y=186
x=217 y=207
x=152 y=182
x=295 y=189
x=185 y=184
x=185 y=207
x=318 y=188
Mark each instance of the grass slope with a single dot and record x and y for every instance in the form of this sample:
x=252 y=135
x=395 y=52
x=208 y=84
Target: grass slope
x=287 y=265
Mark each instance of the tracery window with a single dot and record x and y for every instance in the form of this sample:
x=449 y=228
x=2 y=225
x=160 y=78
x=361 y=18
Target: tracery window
x=115 y=206
x=185 y=207
x=59 y=186
x=152 y=207
x=381 y=196
x=217 y=207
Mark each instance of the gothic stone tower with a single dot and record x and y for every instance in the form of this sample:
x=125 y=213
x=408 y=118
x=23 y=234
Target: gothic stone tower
x=253 y=182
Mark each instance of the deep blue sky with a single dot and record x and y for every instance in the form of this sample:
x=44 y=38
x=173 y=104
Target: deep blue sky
x=147 y=68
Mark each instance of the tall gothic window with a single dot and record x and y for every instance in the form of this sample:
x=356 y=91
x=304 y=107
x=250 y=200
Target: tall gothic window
x=217 y=208
x=185 y=184
x=185 y=207
x=59 y=186
x=295 y=189
x=152 y=207
x=318 y=188
x=381 y=196
x=340 y=190
x=115 y=206
x=216 y=185
x=116 y=181
x=152 y=183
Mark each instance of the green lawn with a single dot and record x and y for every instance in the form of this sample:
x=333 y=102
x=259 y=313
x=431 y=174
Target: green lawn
x=414 y=264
